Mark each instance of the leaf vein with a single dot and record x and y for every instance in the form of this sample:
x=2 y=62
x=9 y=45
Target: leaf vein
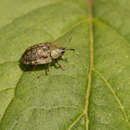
x=112 y=28
x=114 y=94
x=12 y=98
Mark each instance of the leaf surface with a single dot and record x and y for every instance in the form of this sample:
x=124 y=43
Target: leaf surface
x=94 y=90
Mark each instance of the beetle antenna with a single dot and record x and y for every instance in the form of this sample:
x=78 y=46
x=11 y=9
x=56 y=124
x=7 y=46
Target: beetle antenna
x=71 y=49
x=70 y=39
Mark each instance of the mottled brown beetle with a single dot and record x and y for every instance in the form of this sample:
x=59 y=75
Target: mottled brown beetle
x=43 y=53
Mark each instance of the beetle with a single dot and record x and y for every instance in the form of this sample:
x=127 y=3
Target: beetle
x=43 y=53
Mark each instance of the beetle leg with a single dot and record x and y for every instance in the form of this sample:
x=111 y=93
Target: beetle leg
x=46 y=72
x=60 y=65
x=48 y=67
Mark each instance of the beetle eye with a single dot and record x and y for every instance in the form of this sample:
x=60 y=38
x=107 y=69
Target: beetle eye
x=63 y=51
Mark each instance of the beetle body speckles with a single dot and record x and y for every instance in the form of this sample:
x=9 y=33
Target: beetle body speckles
x=42 y=53
x=37 y=54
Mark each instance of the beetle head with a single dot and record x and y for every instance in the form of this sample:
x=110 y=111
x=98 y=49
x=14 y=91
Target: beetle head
x=56 y=53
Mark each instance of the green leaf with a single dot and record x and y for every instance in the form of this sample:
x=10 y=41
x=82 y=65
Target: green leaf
x=94 y=90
